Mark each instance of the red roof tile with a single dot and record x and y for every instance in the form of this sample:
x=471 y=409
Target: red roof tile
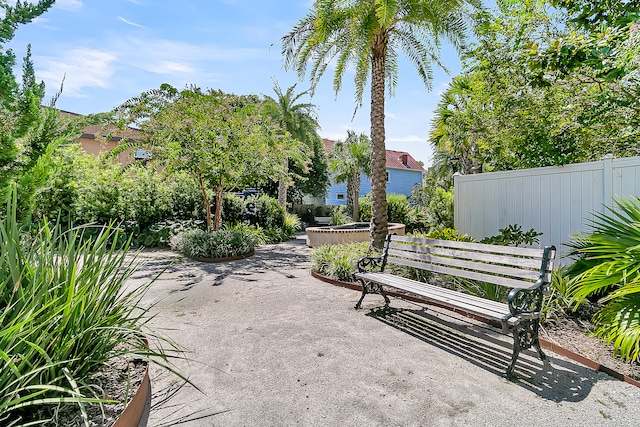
x=395 y=159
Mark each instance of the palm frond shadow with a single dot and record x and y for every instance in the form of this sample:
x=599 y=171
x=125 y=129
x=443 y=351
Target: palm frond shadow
x=555 y=379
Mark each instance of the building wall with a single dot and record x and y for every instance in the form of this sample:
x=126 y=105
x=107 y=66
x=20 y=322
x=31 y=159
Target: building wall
x=401 y=181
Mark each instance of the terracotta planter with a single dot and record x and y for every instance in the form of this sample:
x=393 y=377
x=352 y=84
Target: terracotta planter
x=136 y=414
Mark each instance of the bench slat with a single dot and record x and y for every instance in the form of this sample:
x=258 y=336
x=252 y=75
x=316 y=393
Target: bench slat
x=531 y=263
x=479 y=306
x=507 y=250
x=493 y=269
x=472 y=275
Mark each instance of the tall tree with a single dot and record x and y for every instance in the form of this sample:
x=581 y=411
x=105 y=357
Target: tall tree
x=347 y=160
x=369 y=35
x=224 y=141
x=29 y=132
x=296 y=118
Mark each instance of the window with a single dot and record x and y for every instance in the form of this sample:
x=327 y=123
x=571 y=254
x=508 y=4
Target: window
x=387 y=176
x=340 y=196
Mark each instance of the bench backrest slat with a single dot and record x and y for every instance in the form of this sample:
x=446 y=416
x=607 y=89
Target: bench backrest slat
x=531 y=263
x=501 y=265
x=507 y=250
x=496 y=269
x=467 y=274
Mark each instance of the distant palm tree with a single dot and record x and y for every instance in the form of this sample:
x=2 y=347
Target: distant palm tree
x=369 y=35
x=298 y=119
x=346 y=161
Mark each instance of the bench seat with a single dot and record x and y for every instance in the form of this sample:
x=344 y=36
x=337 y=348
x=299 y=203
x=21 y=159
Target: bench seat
x=525 y=272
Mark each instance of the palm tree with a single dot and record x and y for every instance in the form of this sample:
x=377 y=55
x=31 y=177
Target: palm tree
x=369 y=35
x=298 y=119
x=346 y=161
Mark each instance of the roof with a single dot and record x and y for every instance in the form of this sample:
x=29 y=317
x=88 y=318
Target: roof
x=395 y=159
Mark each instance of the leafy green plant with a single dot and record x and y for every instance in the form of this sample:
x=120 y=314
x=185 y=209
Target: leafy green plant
x=338 y=261
x=65 y=314
x=255 y=231
x=609 y=257
x=159 y=234
x=558 y=303
x=213 y=244
x=339 y=215
x=513 y=235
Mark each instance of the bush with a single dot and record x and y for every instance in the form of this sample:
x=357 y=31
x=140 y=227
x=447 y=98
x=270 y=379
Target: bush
x=213 y=244
x=397 y=208
x=609 y=267
x=185 y=199
x=513 y=235
x=338 y=261
x=65 y=315
x=339 y=215
x=159 y=234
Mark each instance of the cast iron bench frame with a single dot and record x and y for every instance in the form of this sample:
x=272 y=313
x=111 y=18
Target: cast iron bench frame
x=526 y=271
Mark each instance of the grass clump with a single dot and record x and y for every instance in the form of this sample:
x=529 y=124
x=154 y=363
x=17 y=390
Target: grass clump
x=64 y=315
x=338 y=261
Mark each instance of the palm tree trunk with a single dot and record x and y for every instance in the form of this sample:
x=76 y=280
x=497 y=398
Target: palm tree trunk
x=356 y=193
x=379 y=221
x=350 y=196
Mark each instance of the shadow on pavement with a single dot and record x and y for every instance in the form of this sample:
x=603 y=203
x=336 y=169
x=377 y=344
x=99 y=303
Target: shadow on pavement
x=483 y=346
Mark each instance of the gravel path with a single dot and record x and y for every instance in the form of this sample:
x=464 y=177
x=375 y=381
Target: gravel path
x=271 y=346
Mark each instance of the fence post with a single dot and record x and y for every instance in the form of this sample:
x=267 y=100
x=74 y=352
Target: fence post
x=607 y=181
x=457 y=214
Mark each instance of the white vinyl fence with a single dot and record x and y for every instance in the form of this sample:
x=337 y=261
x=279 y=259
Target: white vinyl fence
x=557 y=201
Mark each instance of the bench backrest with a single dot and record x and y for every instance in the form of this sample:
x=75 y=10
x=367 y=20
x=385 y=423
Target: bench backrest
x=501 y=265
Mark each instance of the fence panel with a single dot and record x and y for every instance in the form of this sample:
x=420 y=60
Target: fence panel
x=557 y=201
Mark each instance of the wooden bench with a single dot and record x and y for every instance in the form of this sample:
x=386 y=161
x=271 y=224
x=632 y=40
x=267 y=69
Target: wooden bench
x=526 y=271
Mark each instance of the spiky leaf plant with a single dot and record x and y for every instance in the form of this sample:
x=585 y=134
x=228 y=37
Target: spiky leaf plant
x=64 y=314
x=608 y=267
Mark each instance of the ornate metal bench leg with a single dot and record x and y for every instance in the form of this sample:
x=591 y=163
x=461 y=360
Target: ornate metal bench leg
x=536 y=340
x=516 y=351
x=364 y=292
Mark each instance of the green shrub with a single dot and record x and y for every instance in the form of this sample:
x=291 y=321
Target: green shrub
x=339 y=215
x=213 y=244
x=159 y=234
x=185 y=199
x=558 y=303
x=609 y=262
x=146 y=197
x=65 y=314
x=292 y=224
x=512 y=235
x=268 y=213
x=338 y=261
x=233 y=209
x=397 y=208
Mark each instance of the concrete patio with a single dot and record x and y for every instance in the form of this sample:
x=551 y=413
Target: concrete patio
x=268 y=345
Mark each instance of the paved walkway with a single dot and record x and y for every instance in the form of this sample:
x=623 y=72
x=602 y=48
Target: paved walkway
x=271 y=346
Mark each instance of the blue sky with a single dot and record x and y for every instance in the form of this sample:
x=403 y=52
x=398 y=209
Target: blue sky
x=111 y=50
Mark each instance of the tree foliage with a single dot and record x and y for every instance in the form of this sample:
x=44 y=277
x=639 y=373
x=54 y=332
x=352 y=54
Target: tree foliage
x=368 y=37
x=224 y=141
x=29 y=132
x=347 y=160
x=538 y=89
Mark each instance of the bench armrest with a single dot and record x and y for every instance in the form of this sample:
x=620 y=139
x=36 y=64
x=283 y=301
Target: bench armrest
x=523 y=301
x=368 y=264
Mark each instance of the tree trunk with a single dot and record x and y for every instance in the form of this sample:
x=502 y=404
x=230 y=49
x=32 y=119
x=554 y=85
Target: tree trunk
x=379 y=221
x=207 y=203
x=282 y=187
x=355 y=193
x=218 y=215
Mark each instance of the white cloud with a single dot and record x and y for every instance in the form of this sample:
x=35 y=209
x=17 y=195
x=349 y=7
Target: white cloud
x=80 y=69
x=69 y=4
x=408 y=138
x=133 y=24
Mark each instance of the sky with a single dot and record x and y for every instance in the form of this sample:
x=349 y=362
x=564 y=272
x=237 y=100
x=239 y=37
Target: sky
x=108 y=51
